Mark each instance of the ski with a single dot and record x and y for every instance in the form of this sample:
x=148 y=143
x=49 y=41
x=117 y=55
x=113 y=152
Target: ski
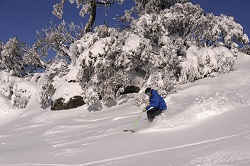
x=132 y=131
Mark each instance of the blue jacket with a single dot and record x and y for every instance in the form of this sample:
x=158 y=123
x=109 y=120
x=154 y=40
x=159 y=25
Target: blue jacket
x=156 y=101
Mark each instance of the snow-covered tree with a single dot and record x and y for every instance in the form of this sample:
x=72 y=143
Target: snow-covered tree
x=155 y=6
x=16 y=56
x=23 y=92
x=109 y=61
x=32 y=60
x=11 y=57
x=87 y=7
x=189 y=22
x=231 y=31
x=226 y=59
x=57 y=68
x=246 y=49
x=57 y=38
x=46 y=91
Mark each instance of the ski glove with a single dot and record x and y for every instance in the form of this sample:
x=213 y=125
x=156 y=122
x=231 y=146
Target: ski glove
x=144 y=110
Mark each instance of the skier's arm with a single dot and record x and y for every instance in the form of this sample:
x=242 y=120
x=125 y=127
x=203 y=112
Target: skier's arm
x=154 y=104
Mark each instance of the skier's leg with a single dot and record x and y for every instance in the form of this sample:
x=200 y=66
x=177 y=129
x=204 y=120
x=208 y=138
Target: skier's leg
x=157 y=112
x=151 y=114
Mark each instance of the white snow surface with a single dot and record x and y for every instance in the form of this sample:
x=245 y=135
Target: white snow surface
x=66 y=90
x=207 y=123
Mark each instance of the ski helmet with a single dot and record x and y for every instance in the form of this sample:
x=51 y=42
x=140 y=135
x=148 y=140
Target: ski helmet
x=148 y=91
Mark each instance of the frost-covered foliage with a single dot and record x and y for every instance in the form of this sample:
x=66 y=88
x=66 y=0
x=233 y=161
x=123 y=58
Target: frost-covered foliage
x=18 y=58
x=11 y=58
x=231 y=31
x=5 y=91
x=234 y=48
x=246 y=49
x=189 y=22
x=87 y=7
x=57 y=38
x=17 y=91
x=92 y=99
x=23 y=91
x=6 y=84
x=205 y=62
x=109 y=61
x=155 y=6
x=226 y=59
x=21 y=98
x=46 y=92
x=57 y=68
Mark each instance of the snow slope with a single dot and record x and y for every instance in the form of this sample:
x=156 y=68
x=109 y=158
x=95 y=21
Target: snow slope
x=207 y=123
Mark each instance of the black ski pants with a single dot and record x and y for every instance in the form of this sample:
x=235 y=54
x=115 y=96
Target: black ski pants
x=152 y=113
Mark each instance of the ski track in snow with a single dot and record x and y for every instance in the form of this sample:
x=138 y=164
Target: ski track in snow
x=162 y=150
x=103 y=161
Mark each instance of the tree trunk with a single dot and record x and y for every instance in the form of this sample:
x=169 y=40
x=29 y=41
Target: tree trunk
x=92 y=17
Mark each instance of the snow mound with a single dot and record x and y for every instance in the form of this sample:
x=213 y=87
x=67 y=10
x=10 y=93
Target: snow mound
x=4 y=104
x=67 y=90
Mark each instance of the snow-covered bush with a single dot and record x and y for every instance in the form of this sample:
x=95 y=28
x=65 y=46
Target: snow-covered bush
x=163 y=82
x=58 y=68
x=207 y=60
x=6 y=90
x=23 y=91
x=203 y=62
x=7 y=82
x=190 y=67
x=234 y=48
x=246 y=49
x=5 y=76
x=16 y=91
x=189 y=71
x=92 y=99
x=226 y=60
x=45 y=93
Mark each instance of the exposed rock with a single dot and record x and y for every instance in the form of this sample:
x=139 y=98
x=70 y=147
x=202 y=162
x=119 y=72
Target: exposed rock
x=131 y=89
x=74 y=102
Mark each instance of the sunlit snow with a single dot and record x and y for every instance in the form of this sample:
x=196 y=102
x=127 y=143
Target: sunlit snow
x=207 y=123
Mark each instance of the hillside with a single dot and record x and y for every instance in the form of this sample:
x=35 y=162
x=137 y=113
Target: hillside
x=207 y=123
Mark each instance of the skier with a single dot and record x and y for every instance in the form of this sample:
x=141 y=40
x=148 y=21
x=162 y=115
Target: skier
x=155 y=101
